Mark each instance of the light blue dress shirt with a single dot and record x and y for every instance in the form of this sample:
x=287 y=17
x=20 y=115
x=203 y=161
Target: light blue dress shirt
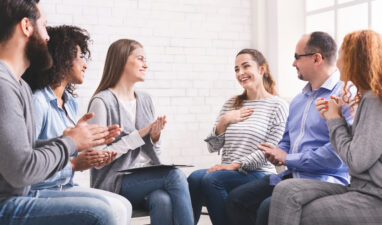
x=51 y=121
x=306 y=138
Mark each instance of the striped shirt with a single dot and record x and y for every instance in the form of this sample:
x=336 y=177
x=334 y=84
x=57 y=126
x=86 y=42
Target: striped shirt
x=239 y=141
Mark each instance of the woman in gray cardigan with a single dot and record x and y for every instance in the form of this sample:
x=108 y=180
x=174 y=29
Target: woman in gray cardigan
x=116 y=101
x=301 y=201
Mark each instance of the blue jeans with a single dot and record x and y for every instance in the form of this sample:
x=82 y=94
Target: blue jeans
x=166 y=192
x=249 y=203
x=212 y=189
x=56 y=207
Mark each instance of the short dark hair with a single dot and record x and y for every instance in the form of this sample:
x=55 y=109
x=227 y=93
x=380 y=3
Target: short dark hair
x=63 y=48
x=12 y=12
x=323 y=43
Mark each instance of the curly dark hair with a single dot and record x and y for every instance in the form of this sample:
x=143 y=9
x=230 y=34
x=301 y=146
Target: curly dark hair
x=63 y=48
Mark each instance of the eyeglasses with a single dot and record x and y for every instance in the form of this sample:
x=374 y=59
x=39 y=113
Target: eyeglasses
x=297 y=56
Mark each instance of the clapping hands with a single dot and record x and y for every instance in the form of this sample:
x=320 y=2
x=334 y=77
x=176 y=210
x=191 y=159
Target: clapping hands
x=329 y=109
x=90 y=135
x=156 y=128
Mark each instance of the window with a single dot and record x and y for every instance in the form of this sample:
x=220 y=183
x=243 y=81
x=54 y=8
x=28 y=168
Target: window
x=339 y=17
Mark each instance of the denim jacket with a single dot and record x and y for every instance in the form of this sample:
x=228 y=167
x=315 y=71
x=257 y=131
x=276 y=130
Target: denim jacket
x=51 y=121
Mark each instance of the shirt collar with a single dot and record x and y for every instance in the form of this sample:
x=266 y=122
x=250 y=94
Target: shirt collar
x=52 y=97
x=329 y=84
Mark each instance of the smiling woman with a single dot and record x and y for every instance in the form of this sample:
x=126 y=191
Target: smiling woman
x=69 y=50
x=164 y=191
x=245 y=121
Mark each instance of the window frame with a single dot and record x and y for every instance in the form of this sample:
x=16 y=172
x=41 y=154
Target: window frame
x=335 y=8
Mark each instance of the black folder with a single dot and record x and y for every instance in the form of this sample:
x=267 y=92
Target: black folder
x=154 y=167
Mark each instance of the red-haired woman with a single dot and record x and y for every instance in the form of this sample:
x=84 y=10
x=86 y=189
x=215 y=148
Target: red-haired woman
x=302 y=201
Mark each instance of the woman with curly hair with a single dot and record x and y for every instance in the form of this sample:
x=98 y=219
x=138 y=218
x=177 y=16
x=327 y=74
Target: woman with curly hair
x=56 y=109
x=302 y=201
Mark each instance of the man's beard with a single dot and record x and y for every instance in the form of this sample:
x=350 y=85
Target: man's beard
x=38 y=54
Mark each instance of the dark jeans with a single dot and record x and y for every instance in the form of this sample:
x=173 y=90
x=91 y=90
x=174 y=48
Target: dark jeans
x=168 y=196
x=211 y=189
x=249 y=203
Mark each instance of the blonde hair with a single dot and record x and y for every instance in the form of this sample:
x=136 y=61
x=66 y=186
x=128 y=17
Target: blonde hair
x=116 y=58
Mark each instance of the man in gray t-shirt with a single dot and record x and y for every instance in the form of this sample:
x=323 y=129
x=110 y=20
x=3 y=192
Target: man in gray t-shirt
x=23 y=160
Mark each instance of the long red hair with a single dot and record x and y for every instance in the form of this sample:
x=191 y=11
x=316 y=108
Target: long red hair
x=362 y=63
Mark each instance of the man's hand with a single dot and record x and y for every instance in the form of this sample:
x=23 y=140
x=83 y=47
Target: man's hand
x=228 y=167
x=89 y=135
x=157 y=127
x=274 y=154
x=88 y=159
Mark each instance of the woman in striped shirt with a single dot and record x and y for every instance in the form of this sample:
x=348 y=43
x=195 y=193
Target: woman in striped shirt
x=246 y=120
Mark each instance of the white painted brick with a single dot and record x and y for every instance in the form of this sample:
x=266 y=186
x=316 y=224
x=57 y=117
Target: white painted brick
x=132 y=4
x=190 y=46
x=168 y=92
x=68 y=10
x=59 y=19
x=191 y=92
x=48 y=7
x=175 y=51
x=81 y=20
x=201 y=84
x=181 y=101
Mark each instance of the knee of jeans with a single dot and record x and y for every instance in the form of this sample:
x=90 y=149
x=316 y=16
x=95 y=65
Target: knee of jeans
x=232 y=198
x=101 y=211
x=194 y=179
x=122 y=206
x=209 y=181
x=264 y=207
x=159 y=198
x=176 y=175
x=126 y=203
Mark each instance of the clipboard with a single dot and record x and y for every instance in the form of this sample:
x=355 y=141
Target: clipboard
x=153 y=167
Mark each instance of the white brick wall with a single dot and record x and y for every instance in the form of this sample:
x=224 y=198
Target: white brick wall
x=190 y=46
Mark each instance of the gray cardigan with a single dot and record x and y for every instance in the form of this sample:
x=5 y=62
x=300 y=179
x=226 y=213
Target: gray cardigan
x=24 y=161
x=107 y=178
x=360 y=146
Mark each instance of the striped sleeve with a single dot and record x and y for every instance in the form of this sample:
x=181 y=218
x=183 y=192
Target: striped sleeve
x=216 y=142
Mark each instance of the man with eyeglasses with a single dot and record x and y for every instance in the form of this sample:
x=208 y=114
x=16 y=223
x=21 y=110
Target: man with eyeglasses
x=305 y=147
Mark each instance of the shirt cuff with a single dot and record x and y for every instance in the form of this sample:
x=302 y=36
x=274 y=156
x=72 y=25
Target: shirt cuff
x=70 y=144
x=133 y=140
x=213 y=134
x=292 y=160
